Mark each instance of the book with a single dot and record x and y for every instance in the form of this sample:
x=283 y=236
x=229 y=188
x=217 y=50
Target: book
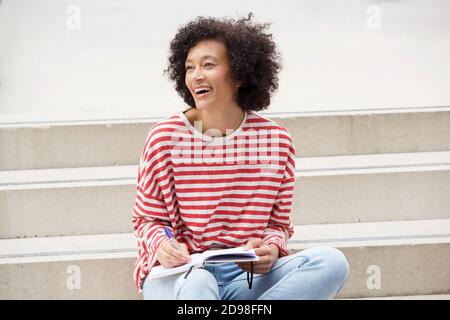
x=210 y=256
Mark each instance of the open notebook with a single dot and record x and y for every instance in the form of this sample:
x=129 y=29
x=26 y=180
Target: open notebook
x=210 y=256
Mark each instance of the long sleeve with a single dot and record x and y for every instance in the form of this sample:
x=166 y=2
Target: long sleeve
x=280 y=229
x=150 y=214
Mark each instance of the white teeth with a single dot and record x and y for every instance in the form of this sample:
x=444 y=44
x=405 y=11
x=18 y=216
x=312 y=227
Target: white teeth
x=197 y=90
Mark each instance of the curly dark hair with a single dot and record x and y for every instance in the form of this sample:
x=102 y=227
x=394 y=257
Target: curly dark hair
x=252 y=55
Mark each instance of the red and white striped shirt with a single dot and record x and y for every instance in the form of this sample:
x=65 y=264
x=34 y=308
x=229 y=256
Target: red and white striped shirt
x=213 y=192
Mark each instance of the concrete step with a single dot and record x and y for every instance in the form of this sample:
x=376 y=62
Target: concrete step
x=384 y=257
x=369 y=188
x=343 y=189
x=27 y=144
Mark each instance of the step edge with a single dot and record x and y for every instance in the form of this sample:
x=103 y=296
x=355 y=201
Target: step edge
x=126 y=174
x=273 y=115
x=105 y=244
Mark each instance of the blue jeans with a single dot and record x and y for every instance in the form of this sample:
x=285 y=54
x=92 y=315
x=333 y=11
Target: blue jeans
x=314 y=273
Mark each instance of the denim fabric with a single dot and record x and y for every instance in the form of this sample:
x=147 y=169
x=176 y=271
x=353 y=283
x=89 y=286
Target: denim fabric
x=314 y=273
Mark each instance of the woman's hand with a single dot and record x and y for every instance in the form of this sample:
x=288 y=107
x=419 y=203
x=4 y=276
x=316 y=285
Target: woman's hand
x=170 y=257
x=268 y=255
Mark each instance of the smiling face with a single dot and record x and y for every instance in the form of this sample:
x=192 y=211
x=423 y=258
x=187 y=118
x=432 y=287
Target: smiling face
x=207 y=68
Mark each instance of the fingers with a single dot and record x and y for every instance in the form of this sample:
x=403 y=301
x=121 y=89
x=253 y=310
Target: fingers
x=169 y=256
x=254 y=243
x=185 y=250
x=172 y=251
x=168 y=261
x=245 y=266
x=263 y=251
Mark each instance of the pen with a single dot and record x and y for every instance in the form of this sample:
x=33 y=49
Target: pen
x=171 y=238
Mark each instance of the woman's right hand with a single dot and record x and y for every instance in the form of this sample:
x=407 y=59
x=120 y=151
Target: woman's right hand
x=170 y=257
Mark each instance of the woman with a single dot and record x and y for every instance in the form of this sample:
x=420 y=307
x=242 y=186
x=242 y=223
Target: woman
x=219 y=175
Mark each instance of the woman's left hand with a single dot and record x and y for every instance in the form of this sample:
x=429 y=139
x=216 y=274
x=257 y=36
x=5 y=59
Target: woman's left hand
x=268 y=255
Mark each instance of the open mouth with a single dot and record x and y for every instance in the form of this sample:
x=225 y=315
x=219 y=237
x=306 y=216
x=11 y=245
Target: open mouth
x=202 y=92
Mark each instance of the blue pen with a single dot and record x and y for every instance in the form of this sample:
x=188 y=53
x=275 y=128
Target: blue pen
x=171 y=238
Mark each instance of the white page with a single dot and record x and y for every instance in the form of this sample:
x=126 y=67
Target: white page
x=198 y=258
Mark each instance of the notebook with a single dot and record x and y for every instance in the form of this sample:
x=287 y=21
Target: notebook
x=210 y=256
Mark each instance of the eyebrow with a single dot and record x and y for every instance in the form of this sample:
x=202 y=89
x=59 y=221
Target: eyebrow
x=203 y=58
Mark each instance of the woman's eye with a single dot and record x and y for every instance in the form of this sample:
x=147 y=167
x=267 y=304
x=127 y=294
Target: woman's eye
x=206 y=65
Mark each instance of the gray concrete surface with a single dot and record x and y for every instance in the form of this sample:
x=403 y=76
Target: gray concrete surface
x=28 y=145
x=99 y=200
x=398 y=251
x=336 y=55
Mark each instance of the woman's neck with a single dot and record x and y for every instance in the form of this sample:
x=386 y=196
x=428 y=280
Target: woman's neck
x=219 y=120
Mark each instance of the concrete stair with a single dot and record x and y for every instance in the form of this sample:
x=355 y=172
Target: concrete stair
x=374 y=184
x=41 y=268
x=28 y=144
x=340 y=189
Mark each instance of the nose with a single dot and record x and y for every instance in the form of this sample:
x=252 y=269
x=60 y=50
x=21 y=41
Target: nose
x=197 y=74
